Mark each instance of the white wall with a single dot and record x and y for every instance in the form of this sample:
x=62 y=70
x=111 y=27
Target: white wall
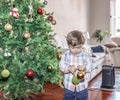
x=70 y=15
x=83 y=15
x=99 y=14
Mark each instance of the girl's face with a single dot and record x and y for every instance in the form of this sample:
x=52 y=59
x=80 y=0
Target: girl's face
x=76 y=49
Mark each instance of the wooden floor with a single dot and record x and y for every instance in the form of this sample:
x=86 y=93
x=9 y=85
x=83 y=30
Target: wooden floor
x=57 y=93
x=102 y=95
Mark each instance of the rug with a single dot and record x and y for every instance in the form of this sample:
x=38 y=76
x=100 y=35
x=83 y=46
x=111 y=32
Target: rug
x=98 y=83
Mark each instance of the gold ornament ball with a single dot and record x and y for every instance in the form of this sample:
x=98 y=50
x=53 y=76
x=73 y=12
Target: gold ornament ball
x=80 y=74
x=49 y=68
x=59 y=56
x=26 y=35
x=53 y=22
x=8 y=27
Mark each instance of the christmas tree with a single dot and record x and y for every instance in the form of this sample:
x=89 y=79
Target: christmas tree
x=28 y=57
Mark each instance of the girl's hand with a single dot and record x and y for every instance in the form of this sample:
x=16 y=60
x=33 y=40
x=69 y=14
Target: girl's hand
x=81 y=68
x=72 y=68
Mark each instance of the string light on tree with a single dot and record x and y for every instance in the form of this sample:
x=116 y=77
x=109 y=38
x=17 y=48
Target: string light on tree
x=7 y=53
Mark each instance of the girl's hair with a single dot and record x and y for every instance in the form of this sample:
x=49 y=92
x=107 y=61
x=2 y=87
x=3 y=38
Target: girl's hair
x=75 y=38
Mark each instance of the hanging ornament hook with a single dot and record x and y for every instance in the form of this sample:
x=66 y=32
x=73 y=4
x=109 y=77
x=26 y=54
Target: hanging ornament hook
x=30 y=11
x=11 y=1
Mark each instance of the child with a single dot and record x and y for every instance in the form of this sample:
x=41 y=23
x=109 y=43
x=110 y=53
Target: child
x=73 y=60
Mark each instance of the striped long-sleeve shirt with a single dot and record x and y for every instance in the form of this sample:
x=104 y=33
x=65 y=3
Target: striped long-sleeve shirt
x=69 y=59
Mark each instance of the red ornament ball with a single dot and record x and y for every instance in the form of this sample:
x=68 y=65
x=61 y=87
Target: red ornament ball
x=1 y=94
x=50 y=18
x=40 y=11
x=30 y=73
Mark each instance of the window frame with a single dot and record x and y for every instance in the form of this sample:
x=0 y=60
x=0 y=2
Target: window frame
x=113 y=18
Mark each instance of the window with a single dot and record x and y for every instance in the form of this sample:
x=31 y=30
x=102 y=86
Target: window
x=115 y=17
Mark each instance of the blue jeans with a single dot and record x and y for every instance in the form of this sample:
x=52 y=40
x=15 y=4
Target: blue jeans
x=81 y=95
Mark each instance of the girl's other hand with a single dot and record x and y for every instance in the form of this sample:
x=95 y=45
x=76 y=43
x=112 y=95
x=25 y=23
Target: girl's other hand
x=81 y=68
x=72 y=68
